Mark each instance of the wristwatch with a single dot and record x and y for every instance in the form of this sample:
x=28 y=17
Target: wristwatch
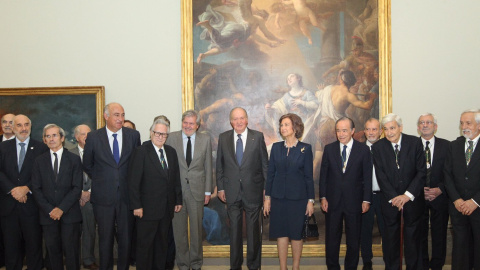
x=311 y=200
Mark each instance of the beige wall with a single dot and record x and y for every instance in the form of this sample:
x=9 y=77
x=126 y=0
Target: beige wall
x=133 y=49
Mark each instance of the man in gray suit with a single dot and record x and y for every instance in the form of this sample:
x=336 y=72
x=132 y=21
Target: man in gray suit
x=88 y=224
x=194 y=152
x=242 y=164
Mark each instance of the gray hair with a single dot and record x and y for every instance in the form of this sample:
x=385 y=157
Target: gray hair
x=428 y=114
x=162 y=122
x=76 y=130
x=246 y=114
x=391 y=117
x=106 y=109
x=29 y=121
x=191 y=113
x=371 y=119
x=49 y=126
x=475 y=112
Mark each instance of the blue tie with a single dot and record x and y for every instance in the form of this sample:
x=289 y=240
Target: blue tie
x=344 y=156
x=116 y=151
x=21 y=158
x=239 y=149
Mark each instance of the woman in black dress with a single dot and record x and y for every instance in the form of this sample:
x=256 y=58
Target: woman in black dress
x=289 y=192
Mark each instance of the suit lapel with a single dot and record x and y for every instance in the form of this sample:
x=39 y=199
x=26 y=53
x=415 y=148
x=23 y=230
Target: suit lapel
x=353 y=155
x=198 y=145
x=231 y=145
x=475 y=157
x=337 y=156
x=178 y=141
x=404 y=148
x=106 y=146
x=152 y=154
x=249 y=145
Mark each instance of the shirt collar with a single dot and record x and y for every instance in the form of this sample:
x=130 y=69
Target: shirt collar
x=27 y=141
x=109 y=132
x=157 y=149
x=59 y=152
x=244 y=133
x=432 y=141
x=294 y=145
x=184 y=136
x=349 y=144
x=475 y=140
x=399 y=142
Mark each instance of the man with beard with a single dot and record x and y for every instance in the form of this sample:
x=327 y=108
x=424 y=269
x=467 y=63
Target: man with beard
x=462 y=174
x=19 y=212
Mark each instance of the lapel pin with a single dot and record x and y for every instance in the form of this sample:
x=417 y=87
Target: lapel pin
x=302 y=150
x=31 y=148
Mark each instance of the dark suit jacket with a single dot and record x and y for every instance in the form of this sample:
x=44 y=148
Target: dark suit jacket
x=64 y=193
x=11 y=178
x=411 y=175
x=440 y=152
x=98 y=162
x=150 y=187
x=292 y=179
x=354 y=186
x=462 y=181
x=252 y=173
x=87 y=181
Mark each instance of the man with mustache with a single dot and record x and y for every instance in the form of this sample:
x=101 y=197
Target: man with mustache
x=400 y=169
x=462 y=182
x=19 y=212
x=7 y=128
x=436 y=200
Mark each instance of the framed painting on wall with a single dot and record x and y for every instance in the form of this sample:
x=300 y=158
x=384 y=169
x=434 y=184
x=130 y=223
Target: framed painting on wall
x=277 y=56
x=65 y=106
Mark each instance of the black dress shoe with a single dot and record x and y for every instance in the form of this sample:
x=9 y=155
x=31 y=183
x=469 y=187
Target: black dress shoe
x=196 y=268
x=367 y=266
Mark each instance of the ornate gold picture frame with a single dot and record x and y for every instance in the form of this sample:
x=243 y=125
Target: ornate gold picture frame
x=190 y=80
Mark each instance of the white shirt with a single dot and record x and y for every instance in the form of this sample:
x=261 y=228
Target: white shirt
x=375 y=186
x=19 y=147
x=158 y=153
x=475 y=141
x=185 y=142
x=119 y=139
x=59 y=157
x=5 y=138
x=348 y=151
x=431 y=145
x=399 y=143
x=244 y=139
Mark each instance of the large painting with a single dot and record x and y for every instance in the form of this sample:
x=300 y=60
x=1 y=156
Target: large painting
x=320 y=59
x=64 y=106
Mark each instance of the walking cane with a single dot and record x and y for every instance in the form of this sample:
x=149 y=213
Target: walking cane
x=401 y=238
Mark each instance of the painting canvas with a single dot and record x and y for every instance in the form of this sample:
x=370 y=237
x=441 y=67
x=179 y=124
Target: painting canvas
x=66 y=107
x=320 y=59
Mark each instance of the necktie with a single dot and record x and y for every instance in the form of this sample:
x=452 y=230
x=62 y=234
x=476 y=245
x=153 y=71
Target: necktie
x=239 y=149
x=428 y=157
x=468 y=153
x=344 y=157
x=162 y=160
x=188 y=158
x=116 y=151
x=396 y=155
x=22 y=156
x=55 y=167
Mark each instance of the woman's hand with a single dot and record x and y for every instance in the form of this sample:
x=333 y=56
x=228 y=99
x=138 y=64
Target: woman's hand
x=310 y=209
x=266 y=207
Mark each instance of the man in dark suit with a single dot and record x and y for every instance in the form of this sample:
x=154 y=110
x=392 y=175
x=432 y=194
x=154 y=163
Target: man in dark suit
x=105 y=160
x=436 y=200
x=400 y=169
x=194 y=151
x=89 y=226
x=372 y=131
x=345 y=192
x=462 y=174
x=242 y=165
x=56 y=187
x=155 y=194
x=19 y=212
x=7 y=128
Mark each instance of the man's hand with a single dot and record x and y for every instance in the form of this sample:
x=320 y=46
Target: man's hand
x=18 y=193
x=56 y=213
x=84 y=198
x=459 y=205
x=221 y=195
x=178 y=208
x=324 y=204
x=431 y=193
x=207 y=199
x=468 y=207
x=400 y=201
x=365 y=207
x=138 y=212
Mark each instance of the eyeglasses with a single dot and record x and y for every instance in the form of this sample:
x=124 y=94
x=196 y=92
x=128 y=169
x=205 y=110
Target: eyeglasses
x=52 y=136
x=425 y=122
x=159 y=134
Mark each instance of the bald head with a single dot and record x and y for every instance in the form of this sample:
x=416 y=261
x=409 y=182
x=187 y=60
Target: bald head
x=114 y=114
x=7 y=125
x=22 y=127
